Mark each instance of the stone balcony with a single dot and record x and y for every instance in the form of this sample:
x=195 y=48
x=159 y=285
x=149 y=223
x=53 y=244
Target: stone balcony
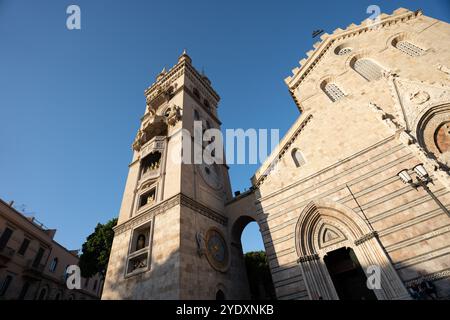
x=151 y=174
x=33 y=271
x=157 y=143
x=6 y=254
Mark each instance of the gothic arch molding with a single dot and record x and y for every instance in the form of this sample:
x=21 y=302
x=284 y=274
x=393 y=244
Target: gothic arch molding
x=346 y=229
x=428 y=132
x=343 y=218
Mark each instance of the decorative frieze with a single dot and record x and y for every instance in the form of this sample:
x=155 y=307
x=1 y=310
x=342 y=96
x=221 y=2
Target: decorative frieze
x=310 y=257
x=147 y=215
x=430 y=277
x=179 y=199
x=203 y=210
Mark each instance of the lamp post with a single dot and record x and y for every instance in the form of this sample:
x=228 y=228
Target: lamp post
x=422 y=180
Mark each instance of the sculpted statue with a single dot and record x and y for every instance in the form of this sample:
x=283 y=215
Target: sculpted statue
x=174 y=115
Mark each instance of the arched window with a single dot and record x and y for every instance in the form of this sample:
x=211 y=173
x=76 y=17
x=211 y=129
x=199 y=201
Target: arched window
x=196 y=93
x=298 y=158
x=66 y=273
x=42 y=294
x=220 y=295
x=53 y=264
x=24 y=291
x=332 y=91
x=409 y=48
x=368 y=69
x=5 y=285
x=206 y=104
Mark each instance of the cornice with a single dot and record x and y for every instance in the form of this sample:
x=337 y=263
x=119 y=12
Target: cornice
x=174 y=74
x=321 y=48
x=284 y=146
x=179 y=199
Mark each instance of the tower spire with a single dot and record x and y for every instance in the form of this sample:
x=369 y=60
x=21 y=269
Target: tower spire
x=185 y=57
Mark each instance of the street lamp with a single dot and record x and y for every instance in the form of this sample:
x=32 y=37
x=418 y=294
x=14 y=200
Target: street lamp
x=404 y=176
x=422 y=180
x=421 y=171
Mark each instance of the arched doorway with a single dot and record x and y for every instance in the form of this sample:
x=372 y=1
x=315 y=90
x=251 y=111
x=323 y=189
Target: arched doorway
x=347 y=276
x=248 y=246
x=324 y=227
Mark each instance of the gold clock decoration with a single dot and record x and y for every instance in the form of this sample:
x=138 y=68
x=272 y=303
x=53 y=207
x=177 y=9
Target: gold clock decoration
x=216 y=249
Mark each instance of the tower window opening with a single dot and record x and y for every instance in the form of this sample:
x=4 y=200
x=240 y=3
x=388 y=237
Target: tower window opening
x=139 y=249
x=196 y=93
x=147 y=198
x=206 y=104
x=196 y=115
x=150 y=163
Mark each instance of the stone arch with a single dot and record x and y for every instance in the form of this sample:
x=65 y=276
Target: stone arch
x=348 y=229
x=307 y=244
x=43 y=292
x=238 y=225
x=428 y=127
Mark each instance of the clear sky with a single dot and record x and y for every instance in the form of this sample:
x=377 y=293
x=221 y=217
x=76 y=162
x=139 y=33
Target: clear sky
x=70 y=101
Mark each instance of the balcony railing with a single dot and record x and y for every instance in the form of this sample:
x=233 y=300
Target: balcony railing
x=6 y=254
x=33 y=270
x=151 y=173
x=157 y=143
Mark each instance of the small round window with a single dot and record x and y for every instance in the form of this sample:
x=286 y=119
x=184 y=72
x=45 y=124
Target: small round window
x=344 y=51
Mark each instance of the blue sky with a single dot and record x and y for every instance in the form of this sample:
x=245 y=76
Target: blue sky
x=70 y=101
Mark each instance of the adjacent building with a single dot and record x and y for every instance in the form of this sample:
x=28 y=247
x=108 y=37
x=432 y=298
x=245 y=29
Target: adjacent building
x=33 y=265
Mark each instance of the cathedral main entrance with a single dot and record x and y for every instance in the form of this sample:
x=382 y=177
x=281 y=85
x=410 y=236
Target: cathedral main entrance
x=347 y=275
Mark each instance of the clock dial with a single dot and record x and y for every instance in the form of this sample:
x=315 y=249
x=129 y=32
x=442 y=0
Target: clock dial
x=217 y=250
x=211 y=175
x=217 y=247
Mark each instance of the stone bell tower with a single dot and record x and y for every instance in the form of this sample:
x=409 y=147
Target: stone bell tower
x=171 y=240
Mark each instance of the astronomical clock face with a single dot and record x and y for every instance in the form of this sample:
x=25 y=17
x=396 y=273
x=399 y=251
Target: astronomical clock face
x=217 y=250
x=210 y=173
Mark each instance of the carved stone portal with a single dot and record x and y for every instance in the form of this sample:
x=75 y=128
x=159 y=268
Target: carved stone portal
x=326 y=226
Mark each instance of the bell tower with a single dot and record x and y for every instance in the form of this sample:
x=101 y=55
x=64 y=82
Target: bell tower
x=171 y=240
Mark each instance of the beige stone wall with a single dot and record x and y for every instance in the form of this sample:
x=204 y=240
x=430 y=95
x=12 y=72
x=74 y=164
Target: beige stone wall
x=346 y=143
x=199 y=279
x=162 y=279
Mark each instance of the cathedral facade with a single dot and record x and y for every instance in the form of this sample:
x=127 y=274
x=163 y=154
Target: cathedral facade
x=358 y=188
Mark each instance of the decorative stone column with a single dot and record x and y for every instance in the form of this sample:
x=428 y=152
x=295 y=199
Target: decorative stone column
x=317 y=279
x=370 y=253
